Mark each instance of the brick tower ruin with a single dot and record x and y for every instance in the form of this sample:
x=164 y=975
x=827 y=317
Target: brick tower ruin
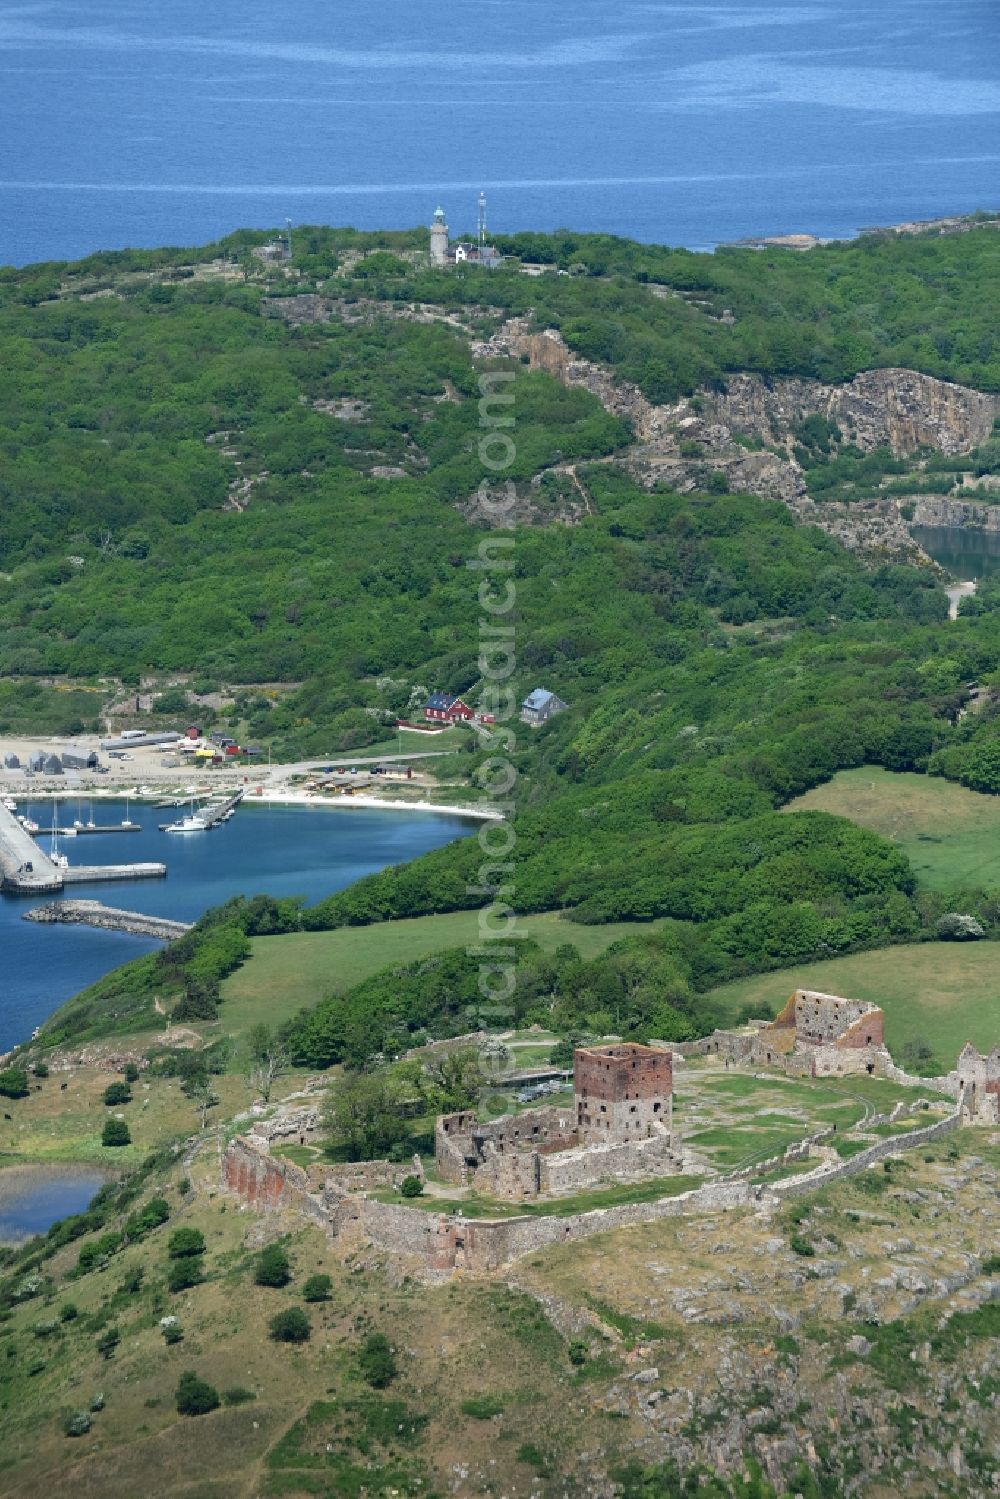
x=624 y=1092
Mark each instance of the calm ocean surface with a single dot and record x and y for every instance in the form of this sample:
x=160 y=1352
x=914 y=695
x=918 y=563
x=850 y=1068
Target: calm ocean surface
x=280 y=851
x=125 y=123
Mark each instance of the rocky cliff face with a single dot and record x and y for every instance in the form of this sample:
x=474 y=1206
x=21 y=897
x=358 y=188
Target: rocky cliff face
x=935 y=510
x=895 y=408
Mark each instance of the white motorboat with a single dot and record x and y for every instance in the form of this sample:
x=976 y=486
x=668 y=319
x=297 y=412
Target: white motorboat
x=187 y=825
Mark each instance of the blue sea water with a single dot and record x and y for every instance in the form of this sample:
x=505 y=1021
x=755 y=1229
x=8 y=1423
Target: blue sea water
x=283 y=851
x=125 y=123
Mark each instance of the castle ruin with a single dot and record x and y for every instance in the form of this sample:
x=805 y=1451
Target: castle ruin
x=618 y=1127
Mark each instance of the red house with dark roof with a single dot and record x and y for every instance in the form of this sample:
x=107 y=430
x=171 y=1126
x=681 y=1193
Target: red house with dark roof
x=442 y=707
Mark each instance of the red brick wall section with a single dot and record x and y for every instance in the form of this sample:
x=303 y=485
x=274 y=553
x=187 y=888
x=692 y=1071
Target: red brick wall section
x=869 y=1030
x=612 y=1074
x=257 y=1178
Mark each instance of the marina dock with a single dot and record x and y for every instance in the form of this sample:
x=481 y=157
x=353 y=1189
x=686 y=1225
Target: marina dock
x=26 y=869
x=217 y=809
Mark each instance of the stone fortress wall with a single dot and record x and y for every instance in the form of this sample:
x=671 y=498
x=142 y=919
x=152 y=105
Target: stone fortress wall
x=540 y=1150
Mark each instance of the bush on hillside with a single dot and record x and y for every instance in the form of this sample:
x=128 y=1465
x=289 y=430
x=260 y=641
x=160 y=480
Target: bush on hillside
x=183 y=1274
x=377 y=1361
x=317 y=1288
x=115 y=1133
x=117 y=1093
x=14 y=1082
x=272 y=1267
x=195 y=1397
x=291 y=1326
x=184 y=1242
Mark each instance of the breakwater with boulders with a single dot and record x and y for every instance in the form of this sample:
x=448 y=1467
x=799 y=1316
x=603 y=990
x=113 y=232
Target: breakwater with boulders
x=109 y=918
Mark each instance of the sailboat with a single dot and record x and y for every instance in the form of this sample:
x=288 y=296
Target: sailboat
x=126 y=820
x=55 y=857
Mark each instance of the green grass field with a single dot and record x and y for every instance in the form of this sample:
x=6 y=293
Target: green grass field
x=406 y=742
x=286 y=974
x=943 y=993
x=950 y=835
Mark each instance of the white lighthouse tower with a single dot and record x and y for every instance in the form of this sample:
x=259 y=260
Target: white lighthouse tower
x=439 y=238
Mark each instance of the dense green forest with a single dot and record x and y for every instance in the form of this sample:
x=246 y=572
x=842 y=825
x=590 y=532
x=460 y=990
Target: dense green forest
x=188 y=487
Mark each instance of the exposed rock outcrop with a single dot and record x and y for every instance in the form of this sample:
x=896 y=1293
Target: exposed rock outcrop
x=895 y=408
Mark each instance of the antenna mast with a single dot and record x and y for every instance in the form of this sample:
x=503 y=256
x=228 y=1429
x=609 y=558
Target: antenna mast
x=482 y=219
x=288 y=239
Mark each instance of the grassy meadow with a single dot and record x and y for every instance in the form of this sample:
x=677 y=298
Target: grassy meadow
x=286 y=974
x=950 y=835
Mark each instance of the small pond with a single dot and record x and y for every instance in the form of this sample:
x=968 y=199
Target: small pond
x=32 y=1198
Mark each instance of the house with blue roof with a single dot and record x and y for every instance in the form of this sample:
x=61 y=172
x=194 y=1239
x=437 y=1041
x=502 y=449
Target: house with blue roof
x=539 y=706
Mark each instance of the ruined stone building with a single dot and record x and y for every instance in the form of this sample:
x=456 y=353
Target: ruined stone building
x=816 y=1034
x=979 y=1084
x=618 y=1127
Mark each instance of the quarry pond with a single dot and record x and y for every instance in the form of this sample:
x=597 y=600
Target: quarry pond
x=280 y=851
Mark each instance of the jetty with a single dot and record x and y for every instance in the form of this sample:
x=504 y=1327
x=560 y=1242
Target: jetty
x=217 y=809
x=24 y=868
x=109 y=918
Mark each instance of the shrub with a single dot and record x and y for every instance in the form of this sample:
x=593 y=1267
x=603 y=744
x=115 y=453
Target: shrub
x=68 y=1312
x=14 y=1082
x=482 y=1407
x=411 y=1186
x=238 y=1395
x=41 y=1069
x=195 y=1397
x=185 y=1273
x=991 y=1264
x=802 y=1246
x=173 y=1333
x=317 y=1288
x=184 y=1242
x=377 y=1361
x=116 y=1093
x=578 y=1351
x=272 y=1267
x=131 y=1072
x=78 y=1424
x=115 y=1132
x=108 y=1342
x=132 y=1283
x=291 y=1326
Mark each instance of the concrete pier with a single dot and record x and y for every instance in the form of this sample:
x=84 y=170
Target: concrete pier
x=109 y=918
x=18 y=850
x=85 y=874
